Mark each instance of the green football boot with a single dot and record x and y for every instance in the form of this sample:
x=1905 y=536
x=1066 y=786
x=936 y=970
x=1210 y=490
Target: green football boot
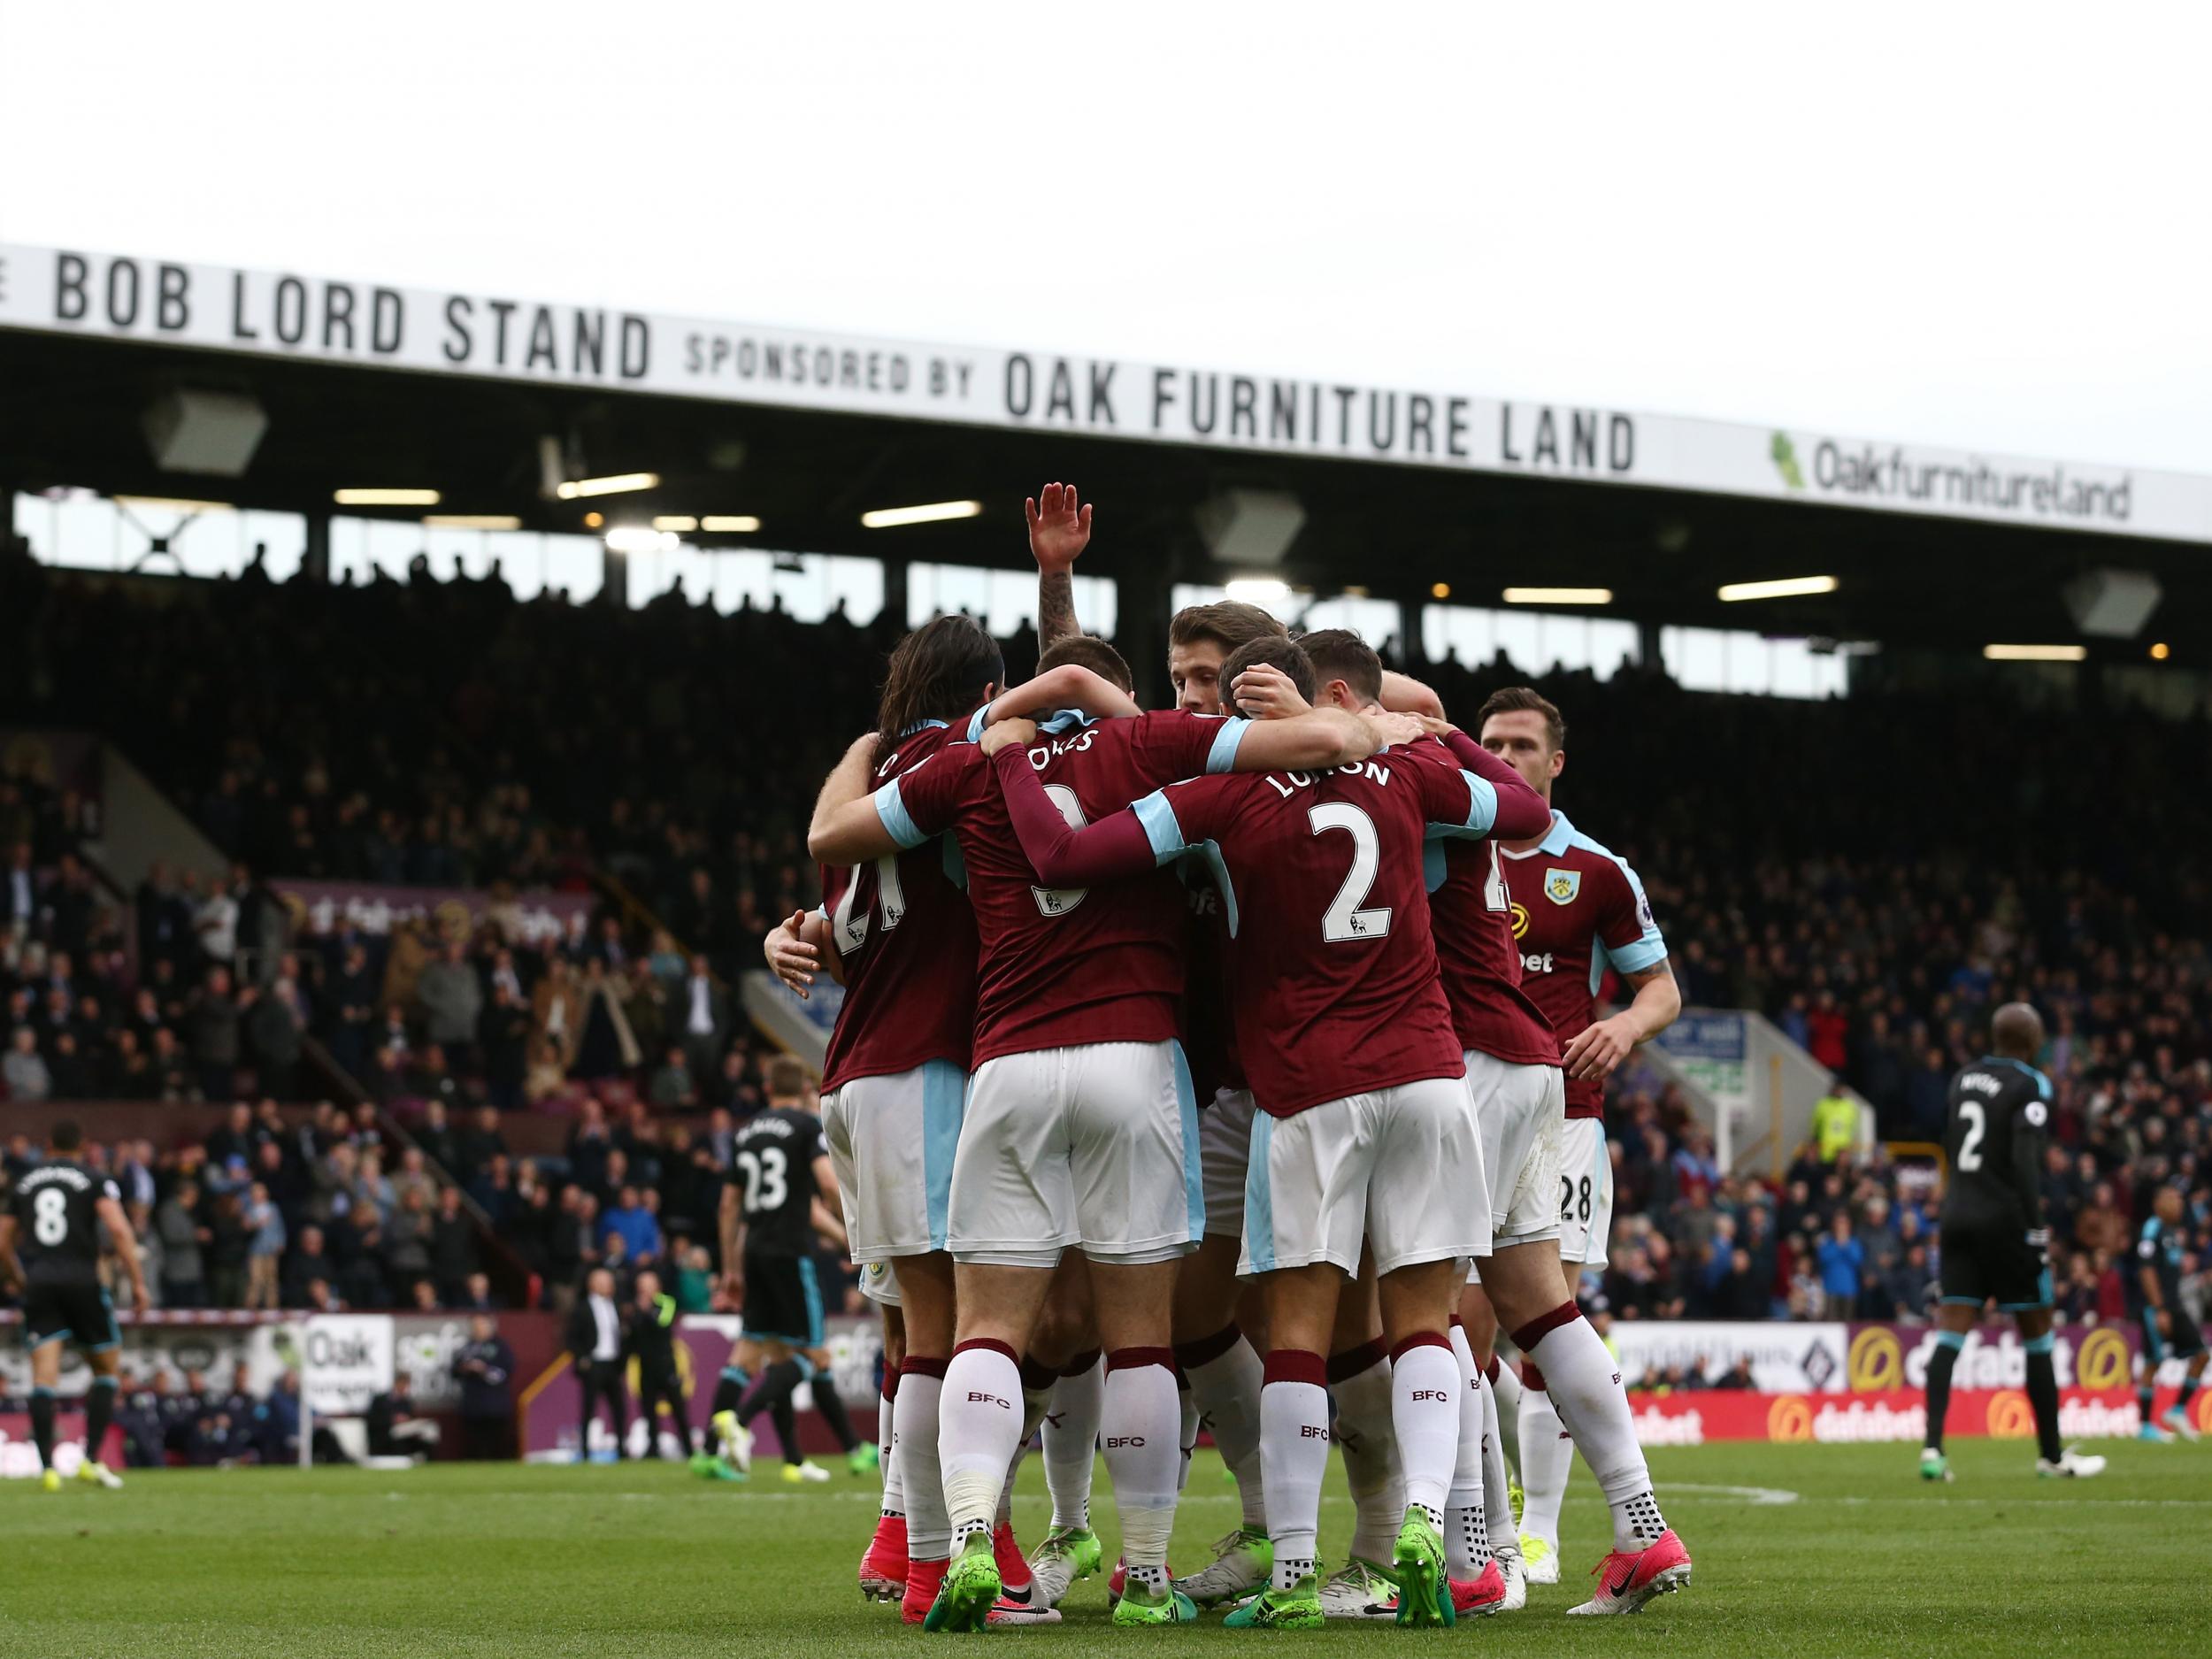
x=1298 y=1608
x=1067 y=1554
x=1140 y=1604
x=1243 y=1561
x=1425 y=1592
x=971 y=1588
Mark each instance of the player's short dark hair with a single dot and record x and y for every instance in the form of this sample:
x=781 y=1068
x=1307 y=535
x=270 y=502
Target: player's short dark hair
x=1281 y=652
x=1520 y=699
x=1340 y=654
x=786 y=1076
x=940 y=671
x=1088 y=650
x=67 y=1136
x=1228 y=623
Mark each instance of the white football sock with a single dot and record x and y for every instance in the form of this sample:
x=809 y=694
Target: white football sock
x=1226 y=1387
x=887 y=1438
x=1070 y=1438
x=1548 y=1454
x=1585 y=1383
x=914 y=1446
x=1364 y=1432
x=1466 y=1526
x=979 y=1425
x=1143 y=1455
x=1295 y=1455
x=1425 y=1386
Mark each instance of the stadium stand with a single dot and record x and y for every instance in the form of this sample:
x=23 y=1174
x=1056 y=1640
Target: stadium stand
x=449 y=736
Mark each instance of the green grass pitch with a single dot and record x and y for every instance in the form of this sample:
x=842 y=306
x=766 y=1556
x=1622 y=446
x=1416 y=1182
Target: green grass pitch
x=1800 y=1551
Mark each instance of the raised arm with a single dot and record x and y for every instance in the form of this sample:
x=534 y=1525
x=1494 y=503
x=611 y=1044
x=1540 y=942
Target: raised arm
x=1062 y=854
x=1059 y=530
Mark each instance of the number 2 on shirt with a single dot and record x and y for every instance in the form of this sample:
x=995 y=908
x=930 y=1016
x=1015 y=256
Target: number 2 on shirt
x=1976 y=1126
x=1344 y=919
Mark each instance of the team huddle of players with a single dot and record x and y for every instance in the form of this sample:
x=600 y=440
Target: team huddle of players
x=1234 y=1062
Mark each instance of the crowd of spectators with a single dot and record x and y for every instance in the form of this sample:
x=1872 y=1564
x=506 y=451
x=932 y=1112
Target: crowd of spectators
x=447 y=735
x=320 y=1213
x=321 y=1210
x=216 y=1000
x=1875 y=873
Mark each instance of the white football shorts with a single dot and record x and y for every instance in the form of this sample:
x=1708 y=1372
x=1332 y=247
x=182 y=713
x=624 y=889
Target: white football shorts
x=1522 y=1110
x=879 y=1283
x=1402 y=1166
x=892 y=1141
x=1094 y=1145
x=1586 y=1193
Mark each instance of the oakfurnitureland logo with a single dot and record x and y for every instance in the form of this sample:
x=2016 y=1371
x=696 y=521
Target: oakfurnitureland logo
x=1940 y=481
x=1784 y=454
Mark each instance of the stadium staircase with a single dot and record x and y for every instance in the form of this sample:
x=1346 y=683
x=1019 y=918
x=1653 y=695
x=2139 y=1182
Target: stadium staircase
x=1750 y=1085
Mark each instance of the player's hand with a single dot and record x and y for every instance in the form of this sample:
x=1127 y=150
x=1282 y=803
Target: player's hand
x=733 y=1289
x=1596 y=1051
x=1393 y=731
x=1263 y=692
x=790 y=958
x=1059 y=527
x=2165 y=1323
x=1435 y=725
x=1000 y=733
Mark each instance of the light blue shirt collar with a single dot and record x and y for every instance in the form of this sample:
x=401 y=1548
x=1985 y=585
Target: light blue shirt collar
x=1561 y=836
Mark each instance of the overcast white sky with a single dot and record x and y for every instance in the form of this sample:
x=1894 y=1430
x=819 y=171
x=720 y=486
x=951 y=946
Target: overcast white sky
x=1982 y=226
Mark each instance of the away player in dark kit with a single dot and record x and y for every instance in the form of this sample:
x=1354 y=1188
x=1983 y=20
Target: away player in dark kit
x=1995 y=1246
x=57 y=1215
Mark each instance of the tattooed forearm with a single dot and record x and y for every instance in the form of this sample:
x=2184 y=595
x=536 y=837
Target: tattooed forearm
x=1055 y=609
